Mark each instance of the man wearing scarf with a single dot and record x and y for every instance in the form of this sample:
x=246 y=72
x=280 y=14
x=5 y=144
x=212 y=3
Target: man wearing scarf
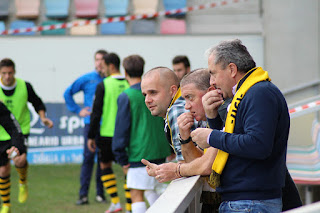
x=250 y=167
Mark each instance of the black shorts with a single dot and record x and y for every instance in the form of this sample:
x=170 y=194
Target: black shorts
x=4 y=145
x=104 y=145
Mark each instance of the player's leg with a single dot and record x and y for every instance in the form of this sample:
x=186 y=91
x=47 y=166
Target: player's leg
x=21 y=165
x=5 y=177
x=127 y=195
x=108 y=178
x=99 y=186
x=139 y=181
x=86 y=170
x=138 y=204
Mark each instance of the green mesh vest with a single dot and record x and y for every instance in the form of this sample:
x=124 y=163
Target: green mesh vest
x=147 y=138
x=17 y=104
x=113 y=88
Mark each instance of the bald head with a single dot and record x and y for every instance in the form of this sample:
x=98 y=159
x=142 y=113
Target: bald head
x=159 y=86
x=165 y=75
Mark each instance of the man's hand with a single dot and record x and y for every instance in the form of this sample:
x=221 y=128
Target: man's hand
x=166 y=172
x=150 y=167
x=47 y=122
x=84 y=112
x=200 y=136
x=185 y=122
x=125 y=169
x=211 y=102
x=11 y=151
x=92 y=145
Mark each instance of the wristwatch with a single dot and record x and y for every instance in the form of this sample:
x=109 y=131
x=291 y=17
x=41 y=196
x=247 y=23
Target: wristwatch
x=185 y=141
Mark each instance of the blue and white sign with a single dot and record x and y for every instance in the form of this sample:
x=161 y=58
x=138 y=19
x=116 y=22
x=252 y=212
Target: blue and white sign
x=61 y=144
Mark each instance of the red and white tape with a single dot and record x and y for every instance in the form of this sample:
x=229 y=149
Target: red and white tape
x=304 y=107
x=117 y=19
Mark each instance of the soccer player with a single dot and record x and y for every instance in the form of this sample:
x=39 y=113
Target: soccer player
x=87 y=83
x=15 y=93
x=105 y=109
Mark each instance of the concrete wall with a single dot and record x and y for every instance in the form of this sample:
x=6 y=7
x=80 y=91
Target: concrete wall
x=291 y=32
x=53 y=63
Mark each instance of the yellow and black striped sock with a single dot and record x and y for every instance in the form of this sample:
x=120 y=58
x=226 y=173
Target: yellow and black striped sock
x=5 y=190
x=110 y=184
x=127 y=195
x=23 y=172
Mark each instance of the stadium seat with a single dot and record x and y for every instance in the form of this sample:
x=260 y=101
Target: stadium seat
x=18 y=24
x=53 y=32
x=142 y=6
x=304 y=161
x=116 y=7
x=115 y=28
x=4 y=8
x=2 y=26
x=86 y=8
x=83 y=30
x=173 y=5
x=27 y=8
x=173 y=26
x=57 y=8
x=143 y=27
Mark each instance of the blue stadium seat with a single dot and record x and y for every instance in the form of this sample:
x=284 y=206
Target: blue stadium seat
x=57 y=8
x=143 y=27
x=115 y=28
x=2 y=26
x=52 y=32
x=4 y=8
x=116 y=7
x=175 y=4
x=17 y=24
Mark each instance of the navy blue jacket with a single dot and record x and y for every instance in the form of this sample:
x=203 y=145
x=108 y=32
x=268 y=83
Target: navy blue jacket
x=256 y=166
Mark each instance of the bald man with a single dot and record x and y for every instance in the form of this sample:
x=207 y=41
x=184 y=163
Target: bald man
x=160 y=86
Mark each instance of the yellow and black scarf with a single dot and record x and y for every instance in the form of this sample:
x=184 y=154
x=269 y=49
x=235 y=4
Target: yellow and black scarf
x=252 y=77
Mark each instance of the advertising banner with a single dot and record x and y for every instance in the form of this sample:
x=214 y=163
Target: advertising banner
x=61 y=144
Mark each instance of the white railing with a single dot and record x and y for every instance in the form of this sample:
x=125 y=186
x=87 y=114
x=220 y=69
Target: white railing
x=182 y=195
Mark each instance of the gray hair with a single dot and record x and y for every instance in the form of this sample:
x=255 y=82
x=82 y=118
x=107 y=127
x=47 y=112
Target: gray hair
x=199 y=77
x=232 y=51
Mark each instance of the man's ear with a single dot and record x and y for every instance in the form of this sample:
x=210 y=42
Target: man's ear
x=173 y=90
x=233 y=69
x=112 y=66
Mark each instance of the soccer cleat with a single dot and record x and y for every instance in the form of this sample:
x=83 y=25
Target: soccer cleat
x=114 y=207
x=5 y=209
x=82 y=200
x=100 y=199
x=23 y=193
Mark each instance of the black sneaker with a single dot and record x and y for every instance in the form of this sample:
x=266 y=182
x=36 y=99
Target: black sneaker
x=82 y=201
x=100 y=199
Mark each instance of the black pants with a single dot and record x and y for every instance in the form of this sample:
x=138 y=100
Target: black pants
x=290 y=195
x=210 y=202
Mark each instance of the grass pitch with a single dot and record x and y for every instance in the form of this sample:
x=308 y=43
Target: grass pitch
x=55 y=188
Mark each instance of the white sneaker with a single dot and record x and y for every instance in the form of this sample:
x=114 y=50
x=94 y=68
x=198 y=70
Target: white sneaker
x=114 y=207
x=100 y=199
